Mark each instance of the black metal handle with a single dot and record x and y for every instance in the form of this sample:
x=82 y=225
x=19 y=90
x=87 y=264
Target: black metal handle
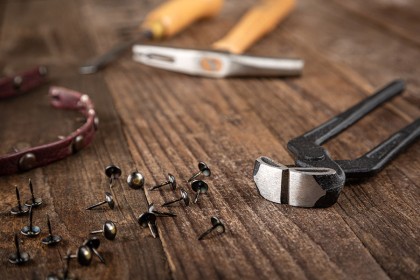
x=376 y=159
x=309 y=152
x=328 y=130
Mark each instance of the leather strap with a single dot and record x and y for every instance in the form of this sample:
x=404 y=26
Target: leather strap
x=22 y=83
x=61 y=98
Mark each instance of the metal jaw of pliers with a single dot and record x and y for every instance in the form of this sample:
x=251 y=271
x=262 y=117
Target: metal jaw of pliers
x=317 y=179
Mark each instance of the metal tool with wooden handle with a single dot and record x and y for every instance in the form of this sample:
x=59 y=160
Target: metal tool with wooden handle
x=218 y=63
x=165 y=21
x=257 y=22
x=175 y=15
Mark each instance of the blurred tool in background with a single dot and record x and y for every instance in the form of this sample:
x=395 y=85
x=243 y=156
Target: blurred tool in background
x=165 y=21
x=225 y=59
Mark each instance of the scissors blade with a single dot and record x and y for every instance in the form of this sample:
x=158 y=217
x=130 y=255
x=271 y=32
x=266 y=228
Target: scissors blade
x=214 y=64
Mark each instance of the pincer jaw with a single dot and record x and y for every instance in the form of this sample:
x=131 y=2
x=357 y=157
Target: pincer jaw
x=296 y=186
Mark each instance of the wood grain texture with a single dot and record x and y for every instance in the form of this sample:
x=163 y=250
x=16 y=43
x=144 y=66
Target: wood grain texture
x=162 y=122
x=399 y=17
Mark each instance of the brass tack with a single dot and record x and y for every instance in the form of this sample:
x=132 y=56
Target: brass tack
x=217 y=225
x=170 y=181
x=109 y=230
x=27 y=161
x=19 y=257
x=77 y=143
x=135 y=180
x=184 y=197
x=42 y=70
x=17 y=81
x=96 y=123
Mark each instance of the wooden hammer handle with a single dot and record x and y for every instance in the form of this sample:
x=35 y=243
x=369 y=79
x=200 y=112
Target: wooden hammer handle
x=257 y=22
x=175 y=15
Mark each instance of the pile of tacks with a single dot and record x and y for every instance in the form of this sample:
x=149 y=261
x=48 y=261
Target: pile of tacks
x=85 y=252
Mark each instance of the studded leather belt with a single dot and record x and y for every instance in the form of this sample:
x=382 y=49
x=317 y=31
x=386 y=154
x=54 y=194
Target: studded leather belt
x=61 y=98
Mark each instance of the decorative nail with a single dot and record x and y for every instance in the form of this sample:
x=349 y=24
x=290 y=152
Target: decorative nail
x=27 y=162
x=148 y=219
x=112 y=172
x=34 y=201
x=199 y=187
x=30 y=230
x=204 y=169
x=135 y=180
x=77 y=144
x=50 y=239
x=93 y=243
x=170 y=181
x=108 y=199
x=19 y=209
x=151 y=209
x=217 y=225
x=184 y=197
x=17 y=82
x=109 y=230
x=83 y=255
x=18 y=257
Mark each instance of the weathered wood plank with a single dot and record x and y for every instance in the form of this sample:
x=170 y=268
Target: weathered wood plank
x=370 y=53
x=165 y=122
x=165 y=113
x=400 y=17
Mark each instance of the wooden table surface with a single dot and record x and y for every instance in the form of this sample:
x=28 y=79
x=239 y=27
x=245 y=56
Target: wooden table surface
x=161 y=122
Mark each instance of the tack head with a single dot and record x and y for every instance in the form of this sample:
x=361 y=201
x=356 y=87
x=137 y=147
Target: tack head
x=17 y=81
x=172 y=181
x=151 y=208
x=77 y=144
x=51 y=240
x=16 y=211
x=216 y=222
x=113 y=171
x=205 y=170
x=15 y=259
x=109 y=200
x=92 y=242
x=84 y=255
x=217 y=225
x=96 y=123
x=199 y=186
x=110 y=230
x=34 y=202
x=43 y=70
x=19 y=257
x=185 y=197
x=27 y=161
x=135 y=180
x=146 y=218
x=30 y=231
